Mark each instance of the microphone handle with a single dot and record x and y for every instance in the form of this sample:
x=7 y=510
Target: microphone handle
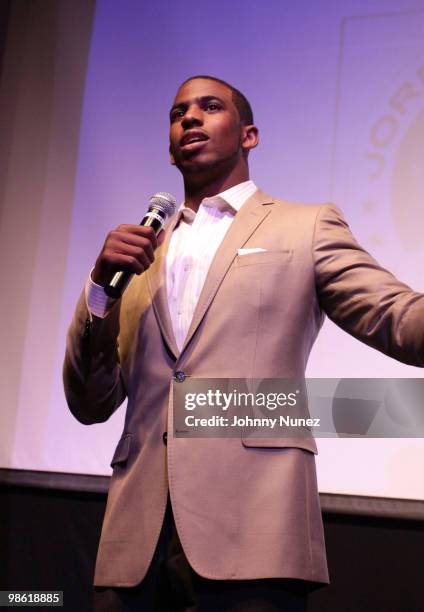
x=120 y=280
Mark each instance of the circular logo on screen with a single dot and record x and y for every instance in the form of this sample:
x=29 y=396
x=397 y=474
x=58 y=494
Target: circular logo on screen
x=395 y=164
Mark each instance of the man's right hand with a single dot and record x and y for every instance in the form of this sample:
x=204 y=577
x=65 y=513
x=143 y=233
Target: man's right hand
x=128 y=247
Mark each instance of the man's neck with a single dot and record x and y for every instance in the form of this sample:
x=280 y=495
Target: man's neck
x=195 y=193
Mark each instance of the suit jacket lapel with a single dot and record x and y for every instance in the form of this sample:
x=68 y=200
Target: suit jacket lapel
x=248 y=218
x=156 y=279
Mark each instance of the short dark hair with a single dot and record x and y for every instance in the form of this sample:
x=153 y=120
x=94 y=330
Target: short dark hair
x=240 y=101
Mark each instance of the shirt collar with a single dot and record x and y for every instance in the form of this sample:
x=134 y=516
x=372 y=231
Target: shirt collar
x=229 y=200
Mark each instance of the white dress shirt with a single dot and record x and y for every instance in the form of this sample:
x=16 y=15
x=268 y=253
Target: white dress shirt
x=194 y=242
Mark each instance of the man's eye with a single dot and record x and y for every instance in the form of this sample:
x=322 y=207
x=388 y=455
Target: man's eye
x=178 y=112
x=212 y=106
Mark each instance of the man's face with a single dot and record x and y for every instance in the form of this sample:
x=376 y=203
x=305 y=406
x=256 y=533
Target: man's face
x=206 y=131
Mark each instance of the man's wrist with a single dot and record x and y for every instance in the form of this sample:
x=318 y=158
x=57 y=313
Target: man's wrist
x=98 y=303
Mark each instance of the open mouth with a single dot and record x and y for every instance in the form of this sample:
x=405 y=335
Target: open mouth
x=193 y=140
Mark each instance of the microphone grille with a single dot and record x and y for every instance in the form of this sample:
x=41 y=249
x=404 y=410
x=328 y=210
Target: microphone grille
x=164 y=202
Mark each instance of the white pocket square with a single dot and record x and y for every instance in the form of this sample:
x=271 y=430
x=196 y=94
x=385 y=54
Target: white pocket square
x=248 y=251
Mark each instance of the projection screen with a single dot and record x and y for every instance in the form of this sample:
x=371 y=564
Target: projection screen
x=338 y=94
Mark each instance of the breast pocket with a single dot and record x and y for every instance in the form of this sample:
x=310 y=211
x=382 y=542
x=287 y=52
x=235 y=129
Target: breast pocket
x=263 y=257
x=257 y=280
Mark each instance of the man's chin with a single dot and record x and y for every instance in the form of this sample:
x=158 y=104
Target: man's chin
x=194 y=165
x=204 y=167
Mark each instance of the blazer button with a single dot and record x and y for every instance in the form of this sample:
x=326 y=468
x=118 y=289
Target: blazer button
x=179 y=376
x=165 y=437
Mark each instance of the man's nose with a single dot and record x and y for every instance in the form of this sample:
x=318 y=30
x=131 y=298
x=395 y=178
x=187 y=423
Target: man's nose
x=193 y=116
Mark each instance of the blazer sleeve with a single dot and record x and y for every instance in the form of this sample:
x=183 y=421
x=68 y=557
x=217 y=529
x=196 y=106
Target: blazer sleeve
x=363 y=298
x=92 y=378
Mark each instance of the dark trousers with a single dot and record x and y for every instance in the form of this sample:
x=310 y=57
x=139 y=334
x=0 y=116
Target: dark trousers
x=171 y=585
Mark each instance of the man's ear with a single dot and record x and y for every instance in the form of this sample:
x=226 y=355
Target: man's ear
x=250 y=137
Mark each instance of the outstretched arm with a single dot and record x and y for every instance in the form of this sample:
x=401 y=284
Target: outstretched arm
x=363 y=298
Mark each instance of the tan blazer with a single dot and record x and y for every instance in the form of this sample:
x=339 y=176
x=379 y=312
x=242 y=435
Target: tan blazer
x=244 y=508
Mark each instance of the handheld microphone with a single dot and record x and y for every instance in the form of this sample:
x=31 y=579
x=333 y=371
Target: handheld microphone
x=161 y=205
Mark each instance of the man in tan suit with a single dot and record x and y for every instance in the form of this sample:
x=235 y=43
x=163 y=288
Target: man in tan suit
x=248 y=528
